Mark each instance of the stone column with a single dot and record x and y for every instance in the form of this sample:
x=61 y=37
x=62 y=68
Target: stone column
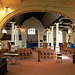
x=1 y=34
x=12 y=38
x=40 y=39
x=52 y=41
x=15 y=35
x=48 y=46
x=24 y=39
x=57 y=38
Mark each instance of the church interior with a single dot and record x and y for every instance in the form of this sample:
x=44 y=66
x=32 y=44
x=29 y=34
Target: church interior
x=37 y=37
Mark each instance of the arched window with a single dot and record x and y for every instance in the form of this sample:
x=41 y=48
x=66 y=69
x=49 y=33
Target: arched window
x=49 y=36
x=60 y=37
x=69 y=31
x=31 y=31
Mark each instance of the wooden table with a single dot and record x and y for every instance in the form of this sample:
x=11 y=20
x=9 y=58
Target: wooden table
x=10 y=56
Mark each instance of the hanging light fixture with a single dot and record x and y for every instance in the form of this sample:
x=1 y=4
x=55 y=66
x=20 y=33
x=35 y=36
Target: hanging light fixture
x=4 y=31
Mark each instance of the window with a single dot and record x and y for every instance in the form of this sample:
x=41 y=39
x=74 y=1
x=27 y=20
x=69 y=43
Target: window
x=60 y=37
x=31 y=31
x=49 y=36
x=69 y=31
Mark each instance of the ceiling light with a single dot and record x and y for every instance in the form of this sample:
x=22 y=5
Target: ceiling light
x=7 y=8
x=4 y=8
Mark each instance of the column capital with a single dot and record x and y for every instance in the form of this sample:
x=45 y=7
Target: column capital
x=13 y=22
x=52 y=26
x=16 y=27
x=48 y=29
x=57 y=23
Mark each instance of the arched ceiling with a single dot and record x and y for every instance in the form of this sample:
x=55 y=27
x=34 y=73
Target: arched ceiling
x=21 y=18
x=46 y=18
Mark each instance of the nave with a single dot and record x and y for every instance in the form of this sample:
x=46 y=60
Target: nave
x=45 y=25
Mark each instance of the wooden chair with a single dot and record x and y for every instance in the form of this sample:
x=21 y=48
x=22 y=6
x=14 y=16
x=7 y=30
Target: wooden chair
x=48 y=54
x=44 y=54
x=20 y=54
x=24 y=54
x=41 y=54
x=59 y=57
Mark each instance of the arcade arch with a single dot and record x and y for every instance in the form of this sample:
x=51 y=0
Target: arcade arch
x=32 y=9
x=22 y=10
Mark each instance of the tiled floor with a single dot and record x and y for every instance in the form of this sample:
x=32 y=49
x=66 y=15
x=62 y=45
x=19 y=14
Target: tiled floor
x=47 y=66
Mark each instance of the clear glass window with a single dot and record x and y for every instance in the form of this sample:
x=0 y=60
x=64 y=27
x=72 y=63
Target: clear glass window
x=31 y=31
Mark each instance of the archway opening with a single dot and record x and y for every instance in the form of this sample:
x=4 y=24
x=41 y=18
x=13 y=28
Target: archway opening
x=32 y=38
x=41 y=21
x=47 y=26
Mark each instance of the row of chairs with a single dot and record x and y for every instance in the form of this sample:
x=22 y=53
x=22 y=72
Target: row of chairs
x=68 y=51
x=24 y=53
x=46 y=53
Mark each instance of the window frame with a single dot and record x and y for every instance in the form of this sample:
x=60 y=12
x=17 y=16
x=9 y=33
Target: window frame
x=31 y=31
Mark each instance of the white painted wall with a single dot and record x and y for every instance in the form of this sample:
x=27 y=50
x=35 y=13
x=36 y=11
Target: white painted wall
x=72 y=34
x=34 y=23
x=72 y=37
x=5 y=42
x=33 y=38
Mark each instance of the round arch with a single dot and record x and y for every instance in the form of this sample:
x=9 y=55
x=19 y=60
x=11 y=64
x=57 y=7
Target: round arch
x=63 y=12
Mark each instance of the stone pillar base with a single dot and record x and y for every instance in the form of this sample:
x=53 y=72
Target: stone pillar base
x=57 y=49
x=52 y=47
